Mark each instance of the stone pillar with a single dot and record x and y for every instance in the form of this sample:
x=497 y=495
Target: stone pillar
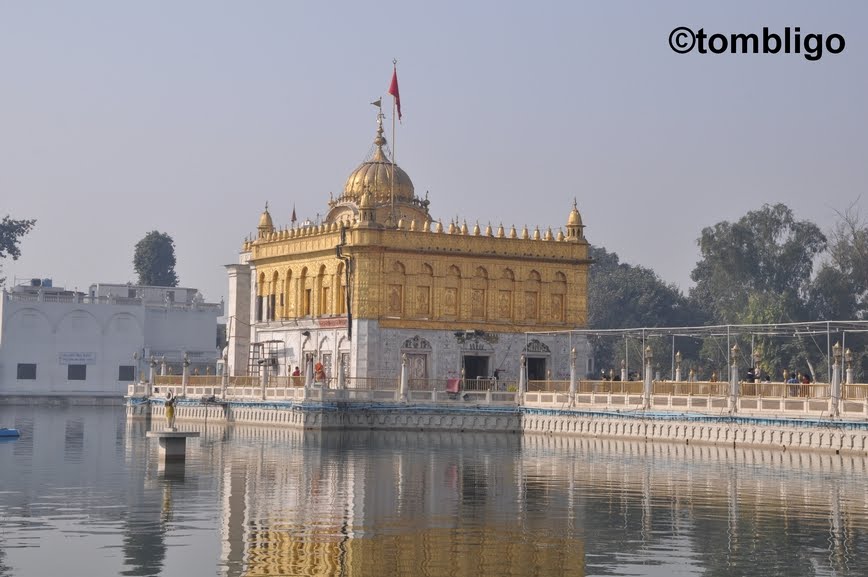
x=405 y=378
x=624 y=375
x=733 y=380
x=263 y=377
x=678 y=367
x=649 y=382
x=522 y=378
x=308 y=371
x=163 y=366
x=573 y=382
x=238 y=312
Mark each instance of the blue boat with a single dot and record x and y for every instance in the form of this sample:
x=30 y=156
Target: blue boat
x=4 y=432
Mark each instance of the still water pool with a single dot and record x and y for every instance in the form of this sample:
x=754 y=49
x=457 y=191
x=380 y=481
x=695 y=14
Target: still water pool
x=82 y=493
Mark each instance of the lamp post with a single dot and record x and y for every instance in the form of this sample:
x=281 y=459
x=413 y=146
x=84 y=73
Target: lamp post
x=678 y=366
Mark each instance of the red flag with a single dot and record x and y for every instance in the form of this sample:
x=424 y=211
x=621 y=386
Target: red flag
x=393 y=90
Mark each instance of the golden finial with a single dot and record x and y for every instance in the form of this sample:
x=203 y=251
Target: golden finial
x=488 y=230
x=560 y=235
x=500 y=231
x=512 y=233
x=476 y=231
x=524 y=233
x=439 y=227
x=464 y=228
x=536 y=233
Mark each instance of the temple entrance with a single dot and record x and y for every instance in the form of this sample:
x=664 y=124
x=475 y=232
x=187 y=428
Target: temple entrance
x=536 y=369
x=475 y=367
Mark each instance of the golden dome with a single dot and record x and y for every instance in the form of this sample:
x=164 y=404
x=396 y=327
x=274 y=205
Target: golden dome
x=575 y=218
x=375 y=176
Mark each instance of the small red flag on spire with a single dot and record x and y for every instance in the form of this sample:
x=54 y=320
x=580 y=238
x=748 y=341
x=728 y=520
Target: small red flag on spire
x=393 y=90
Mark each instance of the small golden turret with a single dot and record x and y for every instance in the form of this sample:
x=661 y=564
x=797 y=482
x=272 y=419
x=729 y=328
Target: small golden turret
x=266 y=226
x=575 y=228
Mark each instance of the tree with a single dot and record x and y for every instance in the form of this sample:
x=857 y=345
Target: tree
x=154 y=260
x=840 y=290
x=766 y=251
x=626 y=296
x=11 y=232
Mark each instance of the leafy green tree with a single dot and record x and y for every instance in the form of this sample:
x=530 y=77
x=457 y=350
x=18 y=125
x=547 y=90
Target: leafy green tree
x=767 y=251
x=154 y=260
x=11 y=232
x=621 y=295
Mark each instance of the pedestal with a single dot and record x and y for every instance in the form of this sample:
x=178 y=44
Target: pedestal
x=173 y=444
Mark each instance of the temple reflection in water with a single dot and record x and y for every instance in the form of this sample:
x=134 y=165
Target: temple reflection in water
x=269 y=501
x=305 y=503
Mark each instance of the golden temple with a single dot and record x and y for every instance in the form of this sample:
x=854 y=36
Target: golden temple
x=378 y=277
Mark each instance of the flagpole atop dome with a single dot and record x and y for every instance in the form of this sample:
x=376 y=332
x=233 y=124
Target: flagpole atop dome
x=396 y=106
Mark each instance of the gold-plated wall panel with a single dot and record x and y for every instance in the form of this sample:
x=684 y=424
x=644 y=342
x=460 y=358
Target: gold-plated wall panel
x=429 y=280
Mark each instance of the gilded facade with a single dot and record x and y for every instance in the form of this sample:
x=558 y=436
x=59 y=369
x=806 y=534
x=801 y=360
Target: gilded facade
x=378 y=276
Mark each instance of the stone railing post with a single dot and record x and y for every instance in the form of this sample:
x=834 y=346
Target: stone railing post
x=405 y=378
x=649 y=379
x=836 y=390
x=152 y=368
x=184 y=373
x=522 y=379
x=733 y=380
x=573 y=382
x=836 y=381
x=224 y=378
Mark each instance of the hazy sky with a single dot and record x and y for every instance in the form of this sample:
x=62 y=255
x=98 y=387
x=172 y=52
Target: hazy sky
x=117 y=118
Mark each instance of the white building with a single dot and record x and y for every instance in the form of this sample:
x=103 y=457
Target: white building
x=58 y=342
